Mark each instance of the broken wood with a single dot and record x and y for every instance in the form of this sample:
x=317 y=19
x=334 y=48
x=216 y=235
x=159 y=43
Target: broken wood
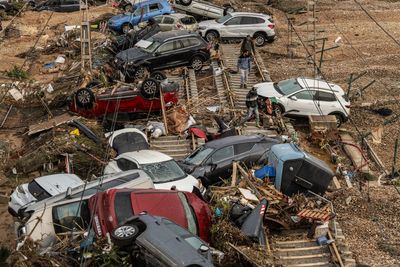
x=244 y=255
x=335 y=249
x=234 y=174
x=6 y=116
x=55 y=121
x=336 y=183
x=248 y=181
x=354 y=152
x=163 y=112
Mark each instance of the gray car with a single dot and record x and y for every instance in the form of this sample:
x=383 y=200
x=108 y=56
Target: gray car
x=161 y=243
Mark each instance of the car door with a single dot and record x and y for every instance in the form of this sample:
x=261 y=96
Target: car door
x=301 y=103
x=166 y=55
x=242 y=152
x=326 y=101
x=221 y=162
x=248 y=26
x=231 y=27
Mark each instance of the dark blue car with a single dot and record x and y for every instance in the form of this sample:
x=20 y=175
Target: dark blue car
x=142 y=11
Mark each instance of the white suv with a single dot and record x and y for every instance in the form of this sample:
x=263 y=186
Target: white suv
x=305 y=96
x=238 y=25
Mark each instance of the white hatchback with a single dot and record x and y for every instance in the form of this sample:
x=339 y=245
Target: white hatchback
x=305 y=96
x=238 y=25
x=163 y=170
x=39 y=189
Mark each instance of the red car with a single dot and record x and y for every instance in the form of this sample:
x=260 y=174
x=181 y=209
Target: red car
x=113 y=207
x=92 y=102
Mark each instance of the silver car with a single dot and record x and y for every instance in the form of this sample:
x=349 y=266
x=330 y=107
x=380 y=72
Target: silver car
x=202 y=8
x=177 y=21
x=39 y=189
x=238 y=25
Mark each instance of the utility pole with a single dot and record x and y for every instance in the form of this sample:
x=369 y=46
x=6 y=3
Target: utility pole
x=86 y=49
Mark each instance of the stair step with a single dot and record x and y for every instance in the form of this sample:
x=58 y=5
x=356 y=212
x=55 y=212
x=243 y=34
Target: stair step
x=295 y=243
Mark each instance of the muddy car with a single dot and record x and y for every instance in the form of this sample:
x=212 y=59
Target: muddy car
x=144 y=98
x=112 y=207
x=213 y=161
x=161 y=243
x=164 y=50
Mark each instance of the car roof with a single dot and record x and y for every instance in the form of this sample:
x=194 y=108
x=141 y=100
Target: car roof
x=250 y=14
x=164 y=36
x=230 y=140
x=146 y=156
x=321 y=84
x=57 y=183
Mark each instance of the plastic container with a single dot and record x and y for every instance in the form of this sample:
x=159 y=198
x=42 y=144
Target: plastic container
x=266 y=171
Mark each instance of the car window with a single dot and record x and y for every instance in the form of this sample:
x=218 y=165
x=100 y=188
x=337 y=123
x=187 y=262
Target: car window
x=190 y=217
x=242 y=148
x=248 y=20
x=70 y=2
x=158 y=19
x=190 y=42
x=222 y=154
x=234 y=21
x=305 y=95
x=125 y=164
x=192 y=240
x=259 y=20
x=154 y=7
x=166 y=171
x=188 y=20
x=123 y=207
x=224 y=18
x=71 y=216
x=324 y=96
x=170 y=46
x=140 y=11
x=288 y=87
x=168 y=20
x=199 y=155
x=54 y=3
x=37 y=191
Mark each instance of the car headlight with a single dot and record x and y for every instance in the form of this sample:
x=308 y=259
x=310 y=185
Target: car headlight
x=20 y=189
x=21 y=231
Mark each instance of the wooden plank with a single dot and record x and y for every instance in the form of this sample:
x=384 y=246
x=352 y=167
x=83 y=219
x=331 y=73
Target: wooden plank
x=163 y=111
x=234 y=174
x=321 y=255
x=336 y=183
x=297 y=249
x=335 y=249
x=352 y=149
x=314 y=264
x=55 y=121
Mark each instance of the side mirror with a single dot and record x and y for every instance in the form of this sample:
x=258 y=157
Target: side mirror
x=204 y=249
x=294 y=98
x=68 y=193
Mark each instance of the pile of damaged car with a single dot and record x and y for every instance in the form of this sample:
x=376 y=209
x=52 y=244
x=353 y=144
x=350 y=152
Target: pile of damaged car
x=160 y=139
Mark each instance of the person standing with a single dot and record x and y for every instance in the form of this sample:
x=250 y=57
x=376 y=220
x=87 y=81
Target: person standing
x=244 y=67
x=247 y=45
x=252 y=107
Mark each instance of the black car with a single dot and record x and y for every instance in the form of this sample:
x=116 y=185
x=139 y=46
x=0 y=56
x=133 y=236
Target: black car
x=213 y=161
x=58 y=6
x=163 y=51
x=161 y=243
x=6 y=6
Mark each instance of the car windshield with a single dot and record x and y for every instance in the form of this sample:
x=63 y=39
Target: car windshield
x=199 y=155
x=224 y=18
x=37 y=191
x=287 y=87
x=190 y=217
x=150 y=46
x=192 y=240
x=134 y=11
x=166 y=171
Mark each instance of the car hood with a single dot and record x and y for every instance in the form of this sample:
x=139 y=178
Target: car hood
x=208 y=23
x=267 y=90
x=186 y=184
x=132 y=54
x=117 y=18
x=20 y=199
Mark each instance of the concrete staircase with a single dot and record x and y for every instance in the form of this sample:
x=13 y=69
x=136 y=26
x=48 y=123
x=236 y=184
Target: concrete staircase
x=173 y=146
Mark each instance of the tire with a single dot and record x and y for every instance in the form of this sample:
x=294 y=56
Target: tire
x=259 y=39
x=124 y=235
x=211 y=35
x=140 y=73
x=150 y=88
x=126 y=27
x=339 y=119
x=278 y=108
x=84 y=98
x=228 y=9
x=197 y=63
x=158 y=75
x=185 y=2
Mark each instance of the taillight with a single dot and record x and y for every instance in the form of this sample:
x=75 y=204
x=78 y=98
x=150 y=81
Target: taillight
x=271 y=26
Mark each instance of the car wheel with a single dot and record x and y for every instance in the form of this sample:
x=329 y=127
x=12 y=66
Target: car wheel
x=124 y=235
x=228 y=9
x=278 y=109
x=259 y=39
x=211 y=36
x=339 y=119
x=185 y=2
x=84 y=98
x=150 y=88
x=140 y=73
x=158 y=75
x=197 y=63
x=128 y=8
x=126 y=27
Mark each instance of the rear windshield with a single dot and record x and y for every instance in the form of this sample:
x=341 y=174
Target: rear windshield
x=188 y=20
x=123 y=207
x=166 y=171
x=38 y=192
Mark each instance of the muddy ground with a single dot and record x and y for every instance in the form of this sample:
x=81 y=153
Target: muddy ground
x=371 y=228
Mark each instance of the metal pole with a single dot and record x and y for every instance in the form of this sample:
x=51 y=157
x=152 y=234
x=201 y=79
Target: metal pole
x=396 y=145
x=322 y=55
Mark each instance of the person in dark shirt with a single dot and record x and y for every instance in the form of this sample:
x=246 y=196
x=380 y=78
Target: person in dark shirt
x=247 y=45
x=252 y=107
